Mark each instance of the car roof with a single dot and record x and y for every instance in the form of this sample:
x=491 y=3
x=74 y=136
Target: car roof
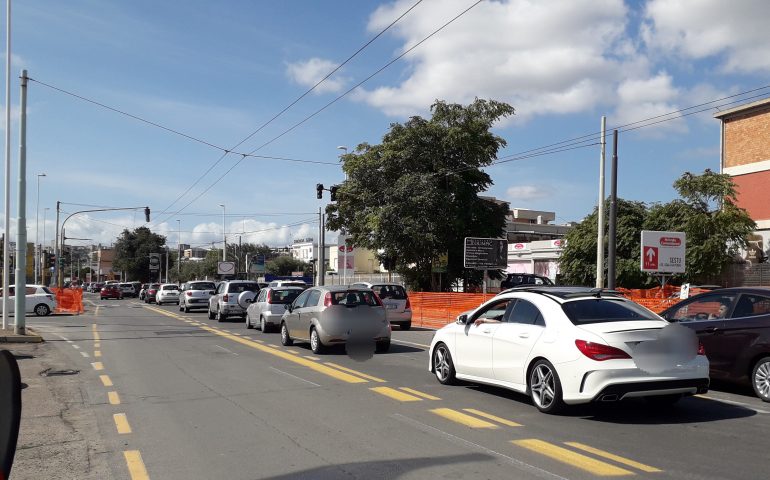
x=286 y=287
x=562 y=294
x=341 y=288
x=236 y=281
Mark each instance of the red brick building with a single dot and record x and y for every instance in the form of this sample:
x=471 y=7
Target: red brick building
x=745 y=155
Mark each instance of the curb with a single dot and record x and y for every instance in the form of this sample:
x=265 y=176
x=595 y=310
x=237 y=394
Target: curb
x=7 y=336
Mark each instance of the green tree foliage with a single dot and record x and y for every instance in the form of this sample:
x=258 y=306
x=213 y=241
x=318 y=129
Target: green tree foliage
x=132 y=253
x=286 y=264
x=577 y=263
x=715 y=227
x=415 y=196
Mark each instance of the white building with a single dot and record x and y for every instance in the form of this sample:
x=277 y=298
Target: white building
x=304 y=249
x=540 y=257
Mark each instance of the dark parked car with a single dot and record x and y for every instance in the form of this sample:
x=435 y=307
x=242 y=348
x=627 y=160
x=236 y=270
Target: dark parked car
x=733 y=324
x=151 y=292
x=111 y=291
x=524 y=279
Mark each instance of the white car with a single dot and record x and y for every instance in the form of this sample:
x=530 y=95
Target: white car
x=40 y=300
x=224 y=302
x=195 y=294
x=266 y=311
x=288 y=283
x=570 y=345
x=167 y=293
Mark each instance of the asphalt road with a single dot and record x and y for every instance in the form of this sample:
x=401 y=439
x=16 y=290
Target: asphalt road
x=178 y=396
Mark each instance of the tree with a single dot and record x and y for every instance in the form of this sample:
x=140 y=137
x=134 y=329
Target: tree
x=285 y=265
x=132 y=253
x=415 y=196
x=715 y=227
x=577 y=263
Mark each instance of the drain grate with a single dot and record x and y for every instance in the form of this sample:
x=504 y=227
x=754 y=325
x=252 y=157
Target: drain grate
x=54 y=373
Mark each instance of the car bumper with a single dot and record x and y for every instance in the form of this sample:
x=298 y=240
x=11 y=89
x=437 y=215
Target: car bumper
x=272 y=319
x=381 y=335
x=399 y=317
x=196 y=303
x=230 y=309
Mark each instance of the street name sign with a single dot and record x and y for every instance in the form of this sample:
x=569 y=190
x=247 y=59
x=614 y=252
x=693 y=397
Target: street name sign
x=485 y=253
x=663 y=252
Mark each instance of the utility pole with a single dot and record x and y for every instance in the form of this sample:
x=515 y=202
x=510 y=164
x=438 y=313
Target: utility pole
x=178 y=250
x=613 y=213
x=321 y=252
x=166 y=262
x=600 y=213
x=7 y=183
x=21 y=225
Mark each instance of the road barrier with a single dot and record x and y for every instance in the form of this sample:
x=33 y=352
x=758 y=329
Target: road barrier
x=436 y=309
x=68 y=300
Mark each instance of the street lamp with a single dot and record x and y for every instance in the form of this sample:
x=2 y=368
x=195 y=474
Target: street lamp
x=345 y=150
x=224 y=236
x=37 y=226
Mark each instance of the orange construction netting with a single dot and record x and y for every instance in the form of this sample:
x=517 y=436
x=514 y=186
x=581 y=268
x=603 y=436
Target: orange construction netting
x=68 y=300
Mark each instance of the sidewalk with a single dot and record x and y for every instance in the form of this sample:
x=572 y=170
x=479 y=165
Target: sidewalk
x=59 y=437
x=7 y=336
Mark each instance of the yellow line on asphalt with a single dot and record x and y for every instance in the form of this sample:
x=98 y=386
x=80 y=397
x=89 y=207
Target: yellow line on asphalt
x=613 y=457
x=96 y=336
x=106 y=381
x=462 y=418
x=113 y=398
x=555 y=452
x=93 y=327
x=494 y=418
x=395 y=394
x=342 y=376
x=121 y=422
x=135 y=465
x=97 y=345
x=426 y=396
x=97 y=353
x=96 y=311
x=97 y=366
x=355 y=372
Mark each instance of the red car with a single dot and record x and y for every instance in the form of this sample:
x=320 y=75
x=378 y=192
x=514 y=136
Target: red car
x=111 y=291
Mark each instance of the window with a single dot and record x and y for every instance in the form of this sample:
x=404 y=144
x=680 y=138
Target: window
x=525 y=312
x=201 y=286
x=752 y=305
x=599 y=310
x=353 y=298
x=284 y=296
x=708 y=307
x=30 y=290
x=497 y=310
x=394 y=292
x=242 y=287
x=261 y=296
x=300 y=300
x=312 y=299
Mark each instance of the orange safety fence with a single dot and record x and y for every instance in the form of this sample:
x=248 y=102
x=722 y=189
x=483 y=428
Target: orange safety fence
x=436 y=309
x=68 y=300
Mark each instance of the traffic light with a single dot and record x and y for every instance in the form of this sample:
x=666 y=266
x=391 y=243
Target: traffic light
x=147 y=214
x=333 y=192
x=51 y=260
x=319 y=189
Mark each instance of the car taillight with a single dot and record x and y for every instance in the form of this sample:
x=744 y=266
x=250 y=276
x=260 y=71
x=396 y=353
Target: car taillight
x=328 y=299
x=225 y=297
x=50 y=297
x=269 y=296
x=701 y=349
x=408 y=305
x=377 y=299
x=189 y=293
x=600 y=352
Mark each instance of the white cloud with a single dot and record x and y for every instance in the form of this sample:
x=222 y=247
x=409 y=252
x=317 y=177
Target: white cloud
x=528 y=192
x=308 y=72
x=734 y=31
x=648 y=98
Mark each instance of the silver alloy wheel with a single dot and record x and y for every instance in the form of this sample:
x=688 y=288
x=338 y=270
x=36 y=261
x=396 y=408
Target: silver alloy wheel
x=314 y=340
x=262 y=325
x=762 y=380
x=284 y=334
x=440 y=364
x=42 y=310
x=542 y=386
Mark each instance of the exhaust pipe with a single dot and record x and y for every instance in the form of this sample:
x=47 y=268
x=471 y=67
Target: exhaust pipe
x=612 y=397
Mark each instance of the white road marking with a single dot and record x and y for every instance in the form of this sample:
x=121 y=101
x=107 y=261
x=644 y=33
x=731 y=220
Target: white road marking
x=84 y=354
x=294 y=376
x=226 y=350
x=76 y=347
x=732 y=402
x=409 y=343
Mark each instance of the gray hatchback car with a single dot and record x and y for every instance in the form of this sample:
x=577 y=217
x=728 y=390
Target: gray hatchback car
x=268 y=308
x=333 y=315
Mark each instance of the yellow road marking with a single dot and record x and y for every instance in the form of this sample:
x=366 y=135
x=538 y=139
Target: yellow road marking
x=591 y=465
x=226 y=331
x=97 y=353
x=355 y=372
x=395 y=394
x=96 y=336
x=121 y=422
x=463 y=419
x=97 y=366
x=342 y=376
x=494 y=418
x=419 y=393
x=135 y=465
x=93 y=327
x=106 y=381
x=113 y=398
x=613 y=457
x=96 y=311
x=97 y=345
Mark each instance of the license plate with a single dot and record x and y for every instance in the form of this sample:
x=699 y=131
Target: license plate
x=391 y=306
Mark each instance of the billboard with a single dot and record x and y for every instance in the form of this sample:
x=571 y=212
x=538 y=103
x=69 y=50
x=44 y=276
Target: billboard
x=485 y=253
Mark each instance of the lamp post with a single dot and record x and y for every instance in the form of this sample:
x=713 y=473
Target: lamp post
x=224 y=236
x=179 y=248
x=37 y=230
x=345 y=150
x=41 y=262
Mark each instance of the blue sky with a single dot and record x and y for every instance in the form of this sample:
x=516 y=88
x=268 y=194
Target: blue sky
x=218 y=70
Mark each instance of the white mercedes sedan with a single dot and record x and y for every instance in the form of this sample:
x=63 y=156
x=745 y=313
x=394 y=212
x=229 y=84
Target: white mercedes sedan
x=570 y=345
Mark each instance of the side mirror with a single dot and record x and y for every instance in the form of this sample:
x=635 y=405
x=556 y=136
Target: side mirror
x=462 y=319
x=212 y=292
x=288 y=306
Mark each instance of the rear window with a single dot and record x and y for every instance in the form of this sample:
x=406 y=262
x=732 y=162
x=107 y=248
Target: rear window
x=600 y=310
x=352 y=297
x=283 y=296
x=242 y=287
x=48 y=291
x=393 y=292
x=202 y=286
x=170 y=287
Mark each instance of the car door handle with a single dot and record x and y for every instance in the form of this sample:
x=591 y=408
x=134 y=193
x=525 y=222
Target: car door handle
x=524 y=335
x=487 y=331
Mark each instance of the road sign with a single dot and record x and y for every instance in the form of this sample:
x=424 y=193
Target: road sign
x=663 y=252
x=257 y=264
x=226 y=268
x=440 y=264
x=485 y=253
x=154 y=262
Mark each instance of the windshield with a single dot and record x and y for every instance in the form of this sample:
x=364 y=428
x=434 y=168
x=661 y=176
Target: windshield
x=600 y=310
x=393 y=292
x=202 y=286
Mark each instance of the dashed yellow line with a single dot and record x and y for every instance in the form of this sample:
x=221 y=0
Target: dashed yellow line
x=577 y=460
x=426 y=396
x=613 y=457
x=98 y=366
x=93 y=327
x=121 y=423
x=97 y=353
x=113 y=398
x=135 y=465
x=395 y=394
x=494 y=418
x=106 y=381
x=97 y=345
x=96 y=336
x=463 y=419
x=355 y=372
